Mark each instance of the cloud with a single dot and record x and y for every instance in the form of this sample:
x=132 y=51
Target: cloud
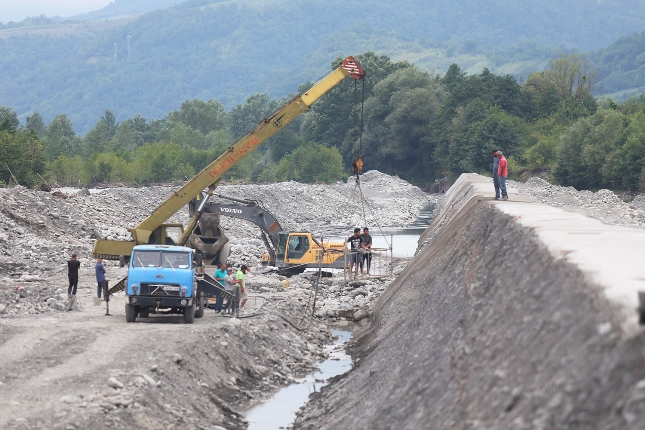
x=12 y=10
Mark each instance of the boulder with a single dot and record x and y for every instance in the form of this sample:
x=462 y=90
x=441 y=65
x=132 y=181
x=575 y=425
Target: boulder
x=361 y=314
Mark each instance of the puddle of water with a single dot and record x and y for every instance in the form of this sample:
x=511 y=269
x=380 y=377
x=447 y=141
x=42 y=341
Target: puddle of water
x=279 y=411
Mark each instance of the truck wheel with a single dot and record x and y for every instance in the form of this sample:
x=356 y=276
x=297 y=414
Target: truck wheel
x=189 y=314
x=200 y=307
x=144 y=312
x=130 y=313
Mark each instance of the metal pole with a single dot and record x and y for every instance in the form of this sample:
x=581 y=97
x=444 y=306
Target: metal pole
x=107 y=298
x=391 y=253
x=345 y=265
x=236 y=302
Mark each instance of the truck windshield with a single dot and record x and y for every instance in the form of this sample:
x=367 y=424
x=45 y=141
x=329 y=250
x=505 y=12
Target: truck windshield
x=146 y=259
x=175 y=260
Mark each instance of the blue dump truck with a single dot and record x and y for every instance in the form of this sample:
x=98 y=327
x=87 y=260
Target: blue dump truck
x=162 y=280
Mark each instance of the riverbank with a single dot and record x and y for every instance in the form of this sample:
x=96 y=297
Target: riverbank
x=513 y=315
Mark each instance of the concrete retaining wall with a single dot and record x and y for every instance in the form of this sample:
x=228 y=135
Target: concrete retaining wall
x=512 y=315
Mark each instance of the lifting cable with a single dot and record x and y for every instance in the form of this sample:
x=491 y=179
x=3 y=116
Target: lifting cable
x=357 y=164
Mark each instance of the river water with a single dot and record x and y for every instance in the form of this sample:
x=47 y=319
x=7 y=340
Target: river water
x=279 y=411
x=403 y=239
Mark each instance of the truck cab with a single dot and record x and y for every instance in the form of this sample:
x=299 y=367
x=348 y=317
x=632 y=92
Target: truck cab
x=161 y=277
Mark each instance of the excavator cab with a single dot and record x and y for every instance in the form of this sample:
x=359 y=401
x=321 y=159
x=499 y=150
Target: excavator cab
x=298 y=246
x=282 y=246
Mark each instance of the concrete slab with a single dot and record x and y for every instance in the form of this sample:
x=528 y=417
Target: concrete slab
x=612 y=257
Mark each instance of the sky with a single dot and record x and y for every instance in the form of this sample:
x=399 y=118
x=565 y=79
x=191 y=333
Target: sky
x=17 y=10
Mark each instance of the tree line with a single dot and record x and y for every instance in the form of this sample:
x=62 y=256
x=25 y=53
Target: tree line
x=420 y=127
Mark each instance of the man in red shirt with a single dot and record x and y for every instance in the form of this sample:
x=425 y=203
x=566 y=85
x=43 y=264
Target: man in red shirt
x=502 y=172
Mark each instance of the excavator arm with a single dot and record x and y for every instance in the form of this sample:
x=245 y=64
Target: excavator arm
x=212 y=174
x=252 y=211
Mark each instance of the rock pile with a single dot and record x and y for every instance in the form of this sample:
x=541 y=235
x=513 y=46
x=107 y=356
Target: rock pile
x=603 y=205
x=39 y=231
x=336 y=301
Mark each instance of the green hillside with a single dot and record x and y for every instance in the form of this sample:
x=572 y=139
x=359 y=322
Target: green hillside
x=227 y=50
x=622 y=66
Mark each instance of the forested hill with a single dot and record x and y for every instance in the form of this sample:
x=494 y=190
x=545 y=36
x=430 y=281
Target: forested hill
x=227 y=50
x=125 y=7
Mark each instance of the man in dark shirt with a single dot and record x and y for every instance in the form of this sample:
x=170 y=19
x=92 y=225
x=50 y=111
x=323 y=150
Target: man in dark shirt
x=366 y=245
x=355 y=256
x=495 y=176
x=72 y=274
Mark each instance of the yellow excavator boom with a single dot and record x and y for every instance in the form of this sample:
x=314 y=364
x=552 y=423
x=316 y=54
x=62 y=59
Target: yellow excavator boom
x=213 y=172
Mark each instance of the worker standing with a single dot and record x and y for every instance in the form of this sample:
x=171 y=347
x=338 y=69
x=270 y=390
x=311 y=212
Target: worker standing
x=366 y=245
x=99 y=270
x=502 y=172
x=72 y=274
x=229 y=285
x=220 y=276
x=355 y=251
x=239 y=276
x=495 y=175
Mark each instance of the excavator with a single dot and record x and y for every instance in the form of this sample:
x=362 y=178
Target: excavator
x=289 y=252
x=153 y=229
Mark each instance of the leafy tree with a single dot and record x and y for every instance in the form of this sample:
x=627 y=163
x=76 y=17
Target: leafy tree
x=336 y=116
x=244 y=117
x=585 y=148
x=160 y=163
x=109 y=119
x=201 y=116
x=8 y=119
x=66 y=170
x=135 y=132
x=22 y=153
x=35 y=122
x=108 y=168
x=498 y=130
x=60 y=138
x=311 y=163
x=399 y=119
x=186 y=136
x=99 y=137
x=572 y=76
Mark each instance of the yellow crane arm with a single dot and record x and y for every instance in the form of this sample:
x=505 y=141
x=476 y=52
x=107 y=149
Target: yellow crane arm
x=214 y=171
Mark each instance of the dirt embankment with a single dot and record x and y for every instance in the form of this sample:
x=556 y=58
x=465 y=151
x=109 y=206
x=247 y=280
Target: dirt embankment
x=81 y=370
x=485 y=329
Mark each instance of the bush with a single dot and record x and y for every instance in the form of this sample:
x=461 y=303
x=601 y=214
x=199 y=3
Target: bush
x=311 y=163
